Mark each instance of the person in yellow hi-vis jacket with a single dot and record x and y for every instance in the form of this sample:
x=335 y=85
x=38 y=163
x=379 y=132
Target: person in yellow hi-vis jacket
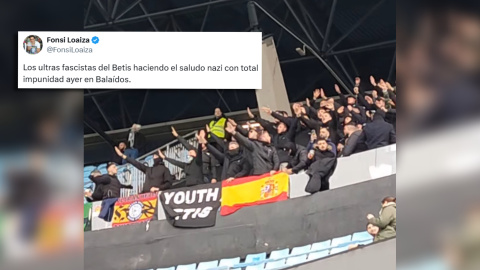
x=217 y=128
x=217 y=125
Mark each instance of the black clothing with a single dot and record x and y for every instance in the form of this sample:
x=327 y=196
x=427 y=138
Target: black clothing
x=193 y=170
x=235 y=164
x=354 y=144
x=111 y=185
x=139 y=143
x=264 y=156
x=378 y=133
x=157 y=176
x=321 y=169
x=299 y=159
x=210 y=165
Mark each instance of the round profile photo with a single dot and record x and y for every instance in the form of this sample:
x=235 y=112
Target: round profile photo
x=32 y=44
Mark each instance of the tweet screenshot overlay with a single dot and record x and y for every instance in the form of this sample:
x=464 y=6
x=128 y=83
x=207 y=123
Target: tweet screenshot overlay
x=145 y=60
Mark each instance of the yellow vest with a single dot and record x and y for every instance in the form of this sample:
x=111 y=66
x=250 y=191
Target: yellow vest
x=218 y=127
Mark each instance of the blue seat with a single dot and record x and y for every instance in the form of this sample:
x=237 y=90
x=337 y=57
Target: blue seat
x=255 y=258
x=294 y=260
x=88 y=168
x=103 y=171
x=363 y=238
x=192 y=266
x=207 y=265
x=341 y=242
x=277 y=254
x=149 y=157
x=169 y=268
x=229 y=262
x=101 y=166
x=319 y=250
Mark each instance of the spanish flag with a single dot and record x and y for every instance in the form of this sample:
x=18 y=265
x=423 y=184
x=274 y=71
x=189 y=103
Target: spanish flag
x=253 y=190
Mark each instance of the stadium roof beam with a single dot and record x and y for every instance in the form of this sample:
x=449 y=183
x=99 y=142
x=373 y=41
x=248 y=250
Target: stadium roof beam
x=365 y=47
x=301 y=24
x=224 y=101
x=355 y=26
x=327 y=66
x=134 y=4
x=329 y=25
x=101 y=111
x=158 y=14
x=149 y=19
x=392 y=66
x=87 y=13
x=353 y=65
x=205 y=18
x=114 y=10
x=145 y=98
x=349 y=77
x=102 y=9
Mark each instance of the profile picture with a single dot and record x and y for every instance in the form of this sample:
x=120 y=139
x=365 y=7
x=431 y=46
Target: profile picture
x=32 y=44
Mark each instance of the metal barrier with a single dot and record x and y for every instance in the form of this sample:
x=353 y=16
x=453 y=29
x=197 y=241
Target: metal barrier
x=128 y=174
x=364 y=166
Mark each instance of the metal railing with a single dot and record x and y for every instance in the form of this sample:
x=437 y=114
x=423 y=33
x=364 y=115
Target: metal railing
x=174 y=149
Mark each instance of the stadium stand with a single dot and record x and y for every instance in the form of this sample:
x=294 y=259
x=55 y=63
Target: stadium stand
x=280 y=259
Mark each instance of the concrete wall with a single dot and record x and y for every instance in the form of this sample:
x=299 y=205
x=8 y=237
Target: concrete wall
x=264 y=228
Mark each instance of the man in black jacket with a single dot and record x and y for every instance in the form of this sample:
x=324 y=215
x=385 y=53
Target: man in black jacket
x=323 y=163
x=110 y=184
x=378 y=133
x=235 y=165
x=298 y=158
x=157 y=178
x=263 y=154
x=194 y=168
x=354 y=142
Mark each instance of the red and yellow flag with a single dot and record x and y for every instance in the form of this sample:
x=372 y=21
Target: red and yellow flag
x=134 y=209
x=253 y=190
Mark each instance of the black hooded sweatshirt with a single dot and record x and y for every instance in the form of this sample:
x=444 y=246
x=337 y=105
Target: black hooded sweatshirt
x=235 y=164
x=111 y=185
x=157 y=176
x=264 y=156
x=378 y=133
x=193 y=170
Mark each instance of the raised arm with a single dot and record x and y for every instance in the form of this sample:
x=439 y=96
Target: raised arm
x=217 y=154
x=137 y=164
x=216 y=138
x=100 y=179
x=182 y=140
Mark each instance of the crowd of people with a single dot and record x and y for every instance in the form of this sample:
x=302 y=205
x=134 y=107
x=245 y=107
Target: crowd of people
x=309 y=141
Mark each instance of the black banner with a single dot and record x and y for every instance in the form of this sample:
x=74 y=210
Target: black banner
x=192 y=207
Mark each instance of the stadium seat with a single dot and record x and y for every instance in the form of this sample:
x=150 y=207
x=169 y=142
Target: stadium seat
x=253 y=258
x=363 y=238
x=319 y=250
x=103 y=171
x=298 y=259
x=207 y=265
x=169 y=268
x=149 y=157
x=229 y=262
x=88 y=168
x=102 y=166
x=276 y=254
x=340 y=241
x=192 y=266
